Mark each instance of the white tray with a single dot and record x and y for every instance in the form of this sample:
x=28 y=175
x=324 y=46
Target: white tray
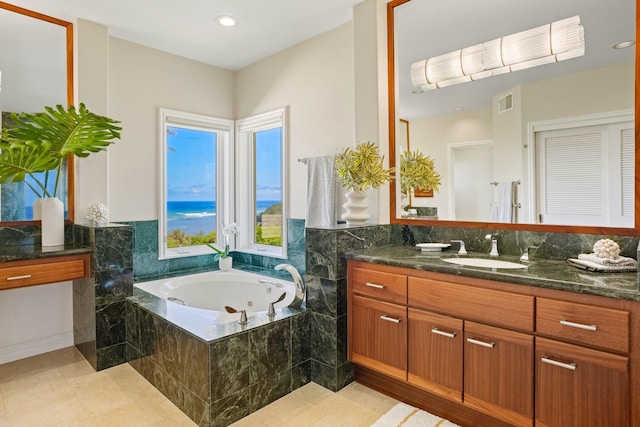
x=433 y=247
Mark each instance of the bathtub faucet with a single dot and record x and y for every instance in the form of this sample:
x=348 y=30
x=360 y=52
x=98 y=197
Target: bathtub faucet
x=301 y=292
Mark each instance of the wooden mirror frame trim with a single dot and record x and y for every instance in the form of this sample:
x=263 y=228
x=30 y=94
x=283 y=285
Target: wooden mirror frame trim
x=618 y=231
x=70 y=100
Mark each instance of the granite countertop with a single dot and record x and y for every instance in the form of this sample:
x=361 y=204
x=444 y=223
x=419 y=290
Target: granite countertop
x=553 y=274
x=35 y=251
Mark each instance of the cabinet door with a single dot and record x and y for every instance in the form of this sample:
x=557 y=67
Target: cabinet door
x=435 y=353
x=378 y=336
x=580 y=387
x=498 y=373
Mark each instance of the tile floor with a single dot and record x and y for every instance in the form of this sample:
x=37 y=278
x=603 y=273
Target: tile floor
x=61 y=389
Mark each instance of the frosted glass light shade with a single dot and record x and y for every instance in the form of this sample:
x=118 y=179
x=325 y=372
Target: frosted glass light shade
x=558 y=41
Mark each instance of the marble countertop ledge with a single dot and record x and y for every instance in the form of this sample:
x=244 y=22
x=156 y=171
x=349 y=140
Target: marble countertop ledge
x=36 y=251
x=544 y=273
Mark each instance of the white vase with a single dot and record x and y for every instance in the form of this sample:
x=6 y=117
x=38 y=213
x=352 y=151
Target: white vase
x=52 y=223
x=225 y=263
x=37 y=209
x=356 y=208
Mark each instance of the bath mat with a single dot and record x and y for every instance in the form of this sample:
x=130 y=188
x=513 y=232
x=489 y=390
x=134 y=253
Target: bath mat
x=403 y=415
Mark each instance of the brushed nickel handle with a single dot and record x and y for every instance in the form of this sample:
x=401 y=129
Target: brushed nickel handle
x=390 y=319
x=443 y=333
x=26 y=276
x=374 y=285
x=481 y=343
x=579 y=325
x=570 y=366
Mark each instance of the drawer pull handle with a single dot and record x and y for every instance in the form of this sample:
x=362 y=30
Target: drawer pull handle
x=443 y=333
x=570 y=366
x=481 y=343
x=390 y=319
x=579 y=325
x=26 y=276
x=374 y=285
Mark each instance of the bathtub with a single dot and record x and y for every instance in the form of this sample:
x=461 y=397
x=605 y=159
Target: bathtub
x=206 y=295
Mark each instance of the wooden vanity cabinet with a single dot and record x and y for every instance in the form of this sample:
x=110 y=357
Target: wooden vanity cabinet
x=580 y=387
x=487 y=353
x=435 y=353
x=498 y=372
x=379 y=336
x=377 y=320
x=19 y=274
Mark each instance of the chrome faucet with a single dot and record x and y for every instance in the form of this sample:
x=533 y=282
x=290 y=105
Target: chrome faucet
x=301 y=292
x=528 y=253
x=462 y=250
x=494 y=244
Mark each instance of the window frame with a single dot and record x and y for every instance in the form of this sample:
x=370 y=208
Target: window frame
x=245 y=179
x=224 y=172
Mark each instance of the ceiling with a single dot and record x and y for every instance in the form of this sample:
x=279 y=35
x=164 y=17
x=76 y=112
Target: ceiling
x=426 y=28
x=188 y=27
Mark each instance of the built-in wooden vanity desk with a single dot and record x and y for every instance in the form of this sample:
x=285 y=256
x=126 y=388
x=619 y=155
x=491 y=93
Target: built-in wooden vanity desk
x=550 y=345
x=29 y=265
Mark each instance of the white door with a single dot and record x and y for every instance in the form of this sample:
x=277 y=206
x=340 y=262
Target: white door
x=471 y=174
x=575 y=175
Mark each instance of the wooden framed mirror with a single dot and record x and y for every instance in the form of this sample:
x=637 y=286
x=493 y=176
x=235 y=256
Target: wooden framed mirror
x=36 y=62
x=446 y=27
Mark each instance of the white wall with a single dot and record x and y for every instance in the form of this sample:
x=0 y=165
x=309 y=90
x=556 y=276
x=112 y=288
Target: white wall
x=315 y=79
x=35 y=320
x=140 y=81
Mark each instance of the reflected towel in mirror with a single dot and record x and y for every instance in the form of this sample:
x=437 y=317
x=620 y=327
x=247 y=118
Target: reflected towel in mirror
x=501 y=208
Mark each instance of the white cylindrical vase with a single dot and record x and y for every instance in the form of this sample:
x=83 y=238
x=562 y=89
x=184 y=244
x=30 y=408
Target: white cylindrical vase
x=37 y=209
x=225 y=263
x=52 y=221
x=356 y=208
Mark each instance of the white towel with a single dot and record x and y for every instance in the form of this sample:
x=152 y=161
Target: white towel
x=620 y=261
x=502 y=208
x=322 y=190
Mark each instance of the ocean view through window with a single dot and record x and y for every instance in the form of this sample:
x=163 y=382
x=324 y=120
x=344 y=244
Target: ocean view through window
x=194 y=203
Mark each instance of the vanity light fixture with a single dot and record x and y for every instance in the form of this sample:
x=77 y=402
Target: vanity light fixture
x=227 y=20
x=545 y=44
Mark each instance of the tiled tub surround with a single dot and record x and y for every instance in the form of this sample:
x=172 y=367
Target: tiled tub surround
x=327 y=298
x=216 y=374
x=99 y=301
x=147 y=266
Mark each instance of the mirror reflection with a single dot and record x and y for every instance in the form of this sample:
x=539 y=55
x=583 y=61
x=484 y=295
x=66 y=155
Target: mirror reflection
x=548 y=144
x=34 y=74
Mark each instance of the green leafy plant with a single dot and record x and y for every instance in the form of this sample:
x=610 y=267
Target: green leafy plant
x=362 y=167
x=41 y=142
x=417 y=171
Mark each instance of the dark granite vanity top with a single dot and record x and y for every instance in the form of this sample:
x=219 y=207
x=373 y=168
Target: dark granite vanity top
x=36 y=251
x=553 y=274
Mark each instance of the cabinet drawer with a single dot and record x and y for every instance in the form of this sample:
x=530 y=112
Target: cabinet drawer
x=501 y=308
x=378 y=284
x=30 y=273
x=586 y=324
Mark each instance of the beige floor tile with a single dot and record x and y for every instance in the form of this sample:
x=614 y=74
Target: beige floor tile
x=60 y=389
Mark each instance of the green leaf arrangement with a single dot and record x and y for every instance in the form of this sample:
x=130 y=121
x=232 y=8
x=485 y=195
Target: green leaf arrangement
x=41 y=142
x=417 y=171
x=362 y=167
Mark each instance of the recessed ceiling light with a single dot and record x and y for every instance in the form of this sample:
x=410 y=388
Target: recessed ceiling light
x=458 y=108
x=227 y=21
x=623 y=45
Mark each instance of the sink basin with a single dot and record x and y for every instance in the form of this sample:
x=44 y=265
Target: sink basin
x=483 y=262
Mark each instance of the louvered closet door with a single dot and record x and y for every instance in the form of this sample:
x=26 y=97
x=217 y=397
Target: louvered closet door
x=585 y=175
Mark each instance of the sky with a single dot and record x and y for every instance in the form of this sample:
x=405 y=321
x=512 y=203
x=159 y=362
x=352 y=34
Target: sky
x=191 y=164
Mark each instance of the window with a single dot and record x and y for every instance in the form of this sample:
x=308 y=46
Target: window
x=195 y=195
x=261 y=183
